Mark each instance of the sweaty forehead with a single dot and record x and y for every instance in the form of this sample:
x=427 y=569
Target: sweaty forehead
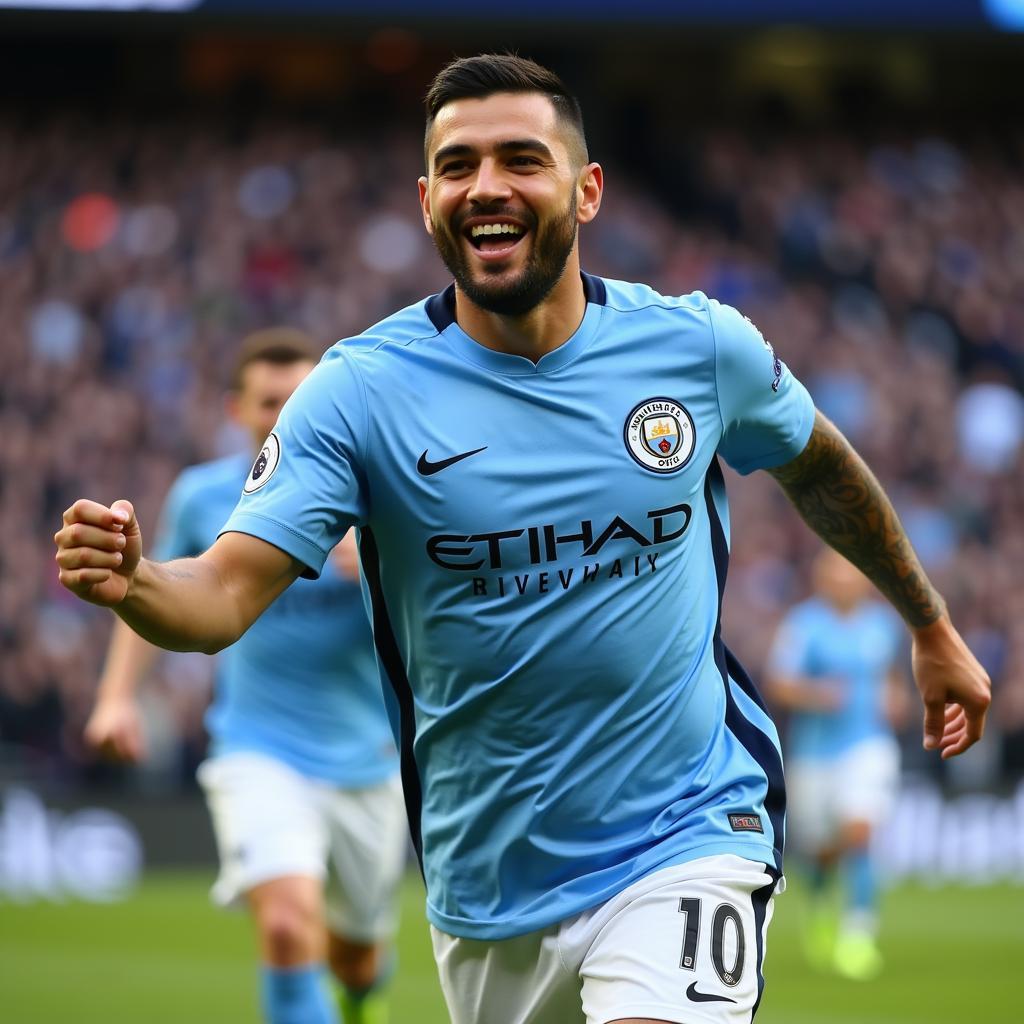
x=485 y=123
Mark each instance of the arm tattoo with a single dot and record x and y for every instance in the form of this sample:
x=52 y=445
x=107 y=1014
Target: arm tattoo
x=840 y=499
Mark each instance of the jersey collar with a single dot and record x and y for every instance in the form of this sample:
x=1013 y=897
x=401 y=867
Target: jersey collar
x=441 y=310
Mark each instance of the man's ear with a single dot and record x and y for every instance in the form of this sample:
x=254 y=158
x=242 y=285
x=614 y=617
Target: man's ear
x=589 y=190
x=424 y=187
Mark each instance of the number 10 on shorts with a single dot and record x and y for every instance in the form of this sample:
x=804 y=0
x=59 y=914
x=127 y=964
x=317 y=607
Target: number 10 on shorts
x=726 y=920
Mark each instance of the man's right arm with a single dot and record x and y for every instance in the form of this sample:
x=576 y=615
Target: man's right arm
x=191 y=604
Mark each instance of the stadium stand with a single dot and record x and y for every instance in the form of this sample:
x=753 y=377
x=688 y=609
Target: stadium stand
x=887 y=271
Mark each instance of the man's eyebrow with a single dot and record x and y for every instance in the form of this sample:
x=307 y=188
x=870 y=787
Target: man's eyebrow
x=517 y=145
x=457 y=149
x=447 y=152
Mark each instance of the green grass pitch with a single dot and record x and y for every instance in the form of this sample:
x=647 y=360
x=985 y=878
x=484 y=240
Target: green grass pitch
x=166 y=957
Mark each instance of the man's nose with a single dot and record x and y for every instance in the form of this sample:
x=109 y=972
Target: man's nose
x=489 y=184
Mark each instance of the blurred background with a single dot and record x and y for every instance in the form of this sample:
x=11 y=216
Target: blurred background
x=174 y=174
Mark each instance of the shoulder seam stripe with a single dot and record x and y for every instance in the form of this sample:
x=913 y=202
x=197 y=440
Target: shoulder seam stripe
x=650 y=305
x=395 y=341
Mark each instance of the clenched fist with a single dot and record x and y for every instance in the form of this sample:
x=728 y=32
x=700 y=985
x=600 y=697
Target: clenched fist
x=98 y=550
x=115 y=730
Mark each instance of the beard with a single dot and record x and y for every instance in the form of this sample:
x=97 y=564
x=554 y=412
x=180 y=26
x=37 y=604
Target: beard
x=552 y=244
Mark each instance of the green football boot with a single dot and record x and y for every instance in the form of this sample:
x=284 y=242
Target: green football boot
x=370 y=1009
x=857 y=956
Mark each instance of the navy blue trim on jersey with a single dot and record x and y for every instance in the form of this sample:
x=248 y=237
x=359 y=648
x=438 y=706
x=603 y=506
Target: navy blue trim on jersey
x=594 y=289
x=394 y=669
x=759 y=898
x=757 y=744
x=440 y=308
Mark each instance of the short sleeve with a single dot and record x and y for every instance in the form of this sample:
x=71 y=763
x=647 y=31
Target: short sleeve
x=307 y=487
x=767 y=414
x=175 y=536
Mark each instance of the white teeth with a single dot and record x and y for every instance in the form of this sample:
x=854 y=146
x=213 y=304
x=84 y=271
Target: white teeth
x=479 y=230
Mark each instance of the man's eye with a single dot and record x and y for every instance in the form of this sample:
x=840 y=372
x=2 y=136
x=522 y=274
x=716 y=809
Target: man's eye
x=455 y=167
x=524 y=161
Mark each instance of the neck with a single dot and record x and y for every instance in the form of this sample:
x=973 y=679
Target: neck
x=532 y=335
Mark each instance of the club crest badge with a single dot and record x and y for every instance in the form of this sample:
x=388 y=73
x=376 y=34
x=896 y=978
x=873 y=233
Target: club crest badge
x=659 y=434
x=264 y=466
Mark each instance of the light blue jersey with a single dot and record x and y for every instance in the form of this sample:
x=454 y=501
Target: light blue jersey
x=851 y=653
x=302 y=684
x=544 y=550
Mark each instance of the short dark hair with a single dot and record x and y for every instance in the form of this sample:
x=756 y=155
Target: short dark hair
x=487 y=73
x=281 y=346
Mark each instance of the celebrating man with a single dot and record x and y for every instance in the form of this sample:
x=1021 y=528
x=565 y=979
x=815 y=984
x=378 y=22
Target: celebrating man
x=532 y=460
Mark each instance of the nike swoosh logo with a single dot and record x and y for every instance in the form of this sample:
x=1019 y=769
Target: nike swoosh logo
x=700 y=997
x=427 y=468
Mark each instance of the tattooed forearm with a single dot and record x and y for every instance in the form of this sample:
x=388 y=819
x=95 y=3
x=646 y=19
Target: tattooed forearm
x=840 y=499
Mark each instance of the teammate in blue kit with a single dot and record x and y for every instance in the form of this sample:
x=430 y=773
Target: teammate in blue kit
x=835 y=666
x=532 y=461
x=302 y=780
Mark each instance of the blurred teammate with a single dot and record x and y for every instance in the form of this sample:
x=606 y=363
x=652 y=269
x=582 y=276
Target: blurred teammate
x=531 y=458
x=302 y=781
x=835 y=667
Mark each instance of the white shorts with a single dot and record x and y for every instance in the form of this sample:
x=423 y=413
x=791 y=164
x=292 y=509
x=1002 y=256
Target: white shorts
x=684 y=944
x=270 y=822
x=823 y=795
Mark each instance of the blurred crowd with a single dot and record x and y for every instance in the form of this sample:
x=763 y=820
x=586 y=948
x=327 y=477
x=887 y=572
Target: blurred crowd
x=134 y=255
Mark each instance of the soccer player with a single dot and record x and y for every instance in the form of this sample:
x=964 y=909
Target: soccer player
x=302 y=781
x=835 y=666
x=532 y=460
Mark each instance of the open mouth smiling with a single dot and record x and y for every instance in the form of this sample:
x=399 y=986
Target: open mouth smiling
x=494 y=238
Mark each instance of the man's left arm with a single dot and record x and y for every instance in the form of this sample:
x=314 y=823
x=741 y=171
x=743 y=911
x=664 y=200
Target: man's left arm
x=838 y=496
